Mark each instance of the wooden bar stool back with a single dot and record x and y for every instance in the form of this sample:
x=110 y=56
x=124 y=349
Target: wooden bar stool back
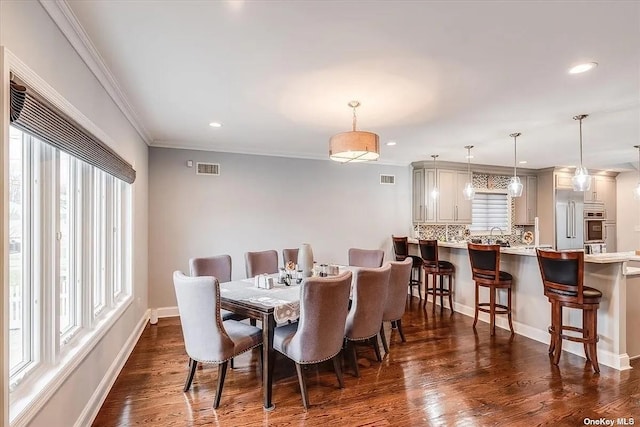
x=563 y=279
x=485 y=269
x=435 y=268
x=401 y=249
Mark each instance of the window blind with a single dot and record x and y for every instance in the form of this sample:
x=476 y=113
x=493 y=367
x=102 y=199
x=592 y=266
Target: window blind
x=31 y=113
x=489 y=210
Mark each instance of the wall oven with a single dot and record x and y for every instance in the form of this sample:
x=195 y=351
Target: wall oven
x=594 y=224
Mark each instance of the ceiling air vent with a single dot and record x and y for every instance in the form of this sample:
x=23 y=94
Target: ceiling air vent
x=207 y=168
x=388 y=179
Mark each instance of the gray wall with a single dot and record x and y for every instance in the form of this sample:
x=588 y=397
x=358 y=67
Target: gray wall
x=29 y=33
x=261 y=202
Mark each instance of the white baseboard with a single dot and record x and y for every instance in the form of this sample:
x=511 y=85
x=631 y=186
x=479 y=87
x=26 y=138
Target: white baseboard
x=90 y=411
x=167 y=311
x=607 y=358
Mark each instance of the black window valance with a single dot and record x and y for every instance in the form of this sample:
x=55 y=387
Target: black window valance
x=34 y=115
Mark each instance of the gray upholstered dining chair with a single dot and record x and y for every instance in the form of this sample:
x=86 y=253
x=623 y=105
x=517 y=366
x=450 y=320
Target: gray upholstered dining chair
x=261 y=262
x=289 y=255
x=218 y=267
x=319 y=332
x=396 y=298
x=365 y=315
x=369 y=258
x=207 y=338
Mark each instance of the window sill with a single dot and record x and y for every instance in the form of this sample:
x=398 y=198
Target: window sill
x=36 y=390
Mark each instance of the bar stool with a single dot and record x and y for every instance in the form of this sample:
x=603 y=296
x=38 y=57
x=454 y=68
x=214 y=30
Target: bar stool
x=485 y=269
x=434 y=267
x=563 y=276
x=401 y=249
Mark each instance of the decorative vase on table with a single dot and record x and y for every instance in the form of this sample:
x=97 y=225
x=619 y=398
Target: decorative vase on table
x=305 y=259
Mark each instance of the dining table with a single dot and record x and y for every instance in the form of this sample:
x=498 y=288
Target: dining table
x=276 y=306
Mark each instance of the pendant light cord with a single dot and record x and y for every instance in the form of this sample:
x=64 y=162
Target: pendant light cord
x=580 y=142
x=638 y=147
x=515 y=152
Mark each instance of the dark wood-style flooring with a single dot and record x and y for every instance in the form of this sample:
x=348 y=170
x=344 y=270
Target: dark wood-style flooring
x=444 y=375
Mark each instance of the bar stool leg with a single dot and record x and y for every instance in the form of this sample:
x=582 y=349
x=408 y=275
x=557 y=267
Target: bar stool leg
x=475 y=319
x=552 y=329
x=420 y=283
x=558 y=334
x=426 y=288
x=450 y=294
x=433 y=293
x=585 y=333
x=492 y=310
x=594 y=337
x=441 y=293
x=509 y=310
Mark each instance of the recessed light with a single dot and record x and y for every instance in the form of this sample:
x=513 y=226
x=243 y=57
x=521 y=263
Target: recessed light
x=215 y=125
x=581 y=68
x=522 y=162
x=391 y=143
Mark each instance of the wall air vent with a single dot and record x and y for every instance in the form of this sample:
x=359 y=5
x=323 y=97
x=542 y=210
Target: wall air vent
x=388 y=179
x=207 y=168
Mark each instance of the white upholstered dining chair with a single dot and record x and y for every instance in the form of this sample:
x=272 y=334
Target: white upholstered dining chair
x=207 y=338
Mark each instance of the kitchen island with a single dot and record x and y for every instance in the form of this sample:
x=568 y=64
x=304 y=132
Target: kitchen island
x=608 y=273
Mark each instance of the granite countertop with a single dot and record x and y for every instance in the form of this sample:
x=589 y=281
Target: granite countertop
x=524 y=250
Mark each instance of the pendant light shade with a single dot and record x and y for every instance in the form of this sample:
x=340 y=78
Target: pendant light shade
x=515 y=186
x=435 y=192
x=354 y=146
x=469 y=192
x=636 y=191
x=581 y=180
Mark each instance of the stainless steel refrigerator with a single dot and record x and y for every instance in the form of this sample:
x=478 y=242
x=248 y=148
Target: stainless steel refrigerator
x=569 y=220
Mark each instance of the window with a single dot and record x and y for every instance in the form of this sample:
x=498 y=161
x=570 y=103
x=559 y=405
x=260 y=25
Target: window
x=490 y=210
x=68 y=244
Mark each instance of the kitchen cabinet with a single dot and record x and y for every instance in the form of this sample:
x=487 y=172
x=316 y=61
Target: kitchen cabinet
x=452 y=208
x=603 y=190
x=526 y=205
x=423 y=205
x=610 y=236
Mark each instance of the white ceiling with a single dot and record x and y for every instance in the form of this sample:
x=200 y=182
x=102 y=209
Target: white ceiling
x=433 y=76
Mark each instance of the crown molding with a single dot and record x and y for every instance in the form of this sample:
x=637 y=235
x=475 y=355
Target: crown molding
x=65 y=19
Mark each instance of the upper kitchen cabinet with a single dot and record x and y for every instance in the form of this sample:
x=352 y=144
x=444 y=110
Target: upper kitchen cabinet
x=526 y=205
x=452 y=207
x=603 y=190
x=423 y=205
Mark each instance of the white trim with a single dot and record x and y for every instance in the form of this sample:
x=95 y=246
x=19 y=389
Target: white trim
x=52 y=96
x=607 y=358
x=65 y=19
x=90 y=411
x=187 y=146
x=59 y=376
x=167 y=311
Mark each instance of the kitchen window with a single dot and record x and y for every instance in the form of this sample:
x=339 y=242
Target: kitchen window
x=488 y=210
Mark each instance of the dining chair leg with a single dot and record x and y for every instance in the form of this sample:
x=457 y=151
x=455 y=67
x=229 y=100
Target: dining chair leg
x=376 y=347
x=222 y=372
x=354 y=357
x=475 y=318
x=338 y=369
x=192 y=371
x=303 y=386
x=399 y=326
x=384 y=339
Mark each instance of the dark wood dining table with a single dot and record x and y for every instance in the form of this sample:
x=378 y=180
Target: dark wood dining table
x=267 y=305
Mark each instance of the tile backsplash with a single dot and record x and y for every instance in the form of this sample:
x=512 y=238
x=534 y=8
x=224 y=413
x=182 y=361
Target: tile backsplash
x=455 y=232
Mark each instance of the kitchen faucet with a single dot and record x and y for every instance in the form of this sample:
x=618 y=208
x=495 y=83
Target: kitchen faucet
x=491 y=233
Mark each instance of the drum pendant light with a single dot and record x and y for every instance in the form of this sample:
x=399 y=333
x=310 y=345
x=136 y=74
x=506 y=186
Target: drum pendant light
x=354 y=146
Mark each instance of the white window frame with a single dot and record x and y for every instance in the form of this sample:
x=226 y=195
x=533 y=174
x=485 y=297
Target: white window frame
x=507 y=230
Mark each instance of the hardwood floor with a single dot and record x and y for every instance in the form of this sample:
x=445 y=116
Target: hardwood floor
x=443 y=375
